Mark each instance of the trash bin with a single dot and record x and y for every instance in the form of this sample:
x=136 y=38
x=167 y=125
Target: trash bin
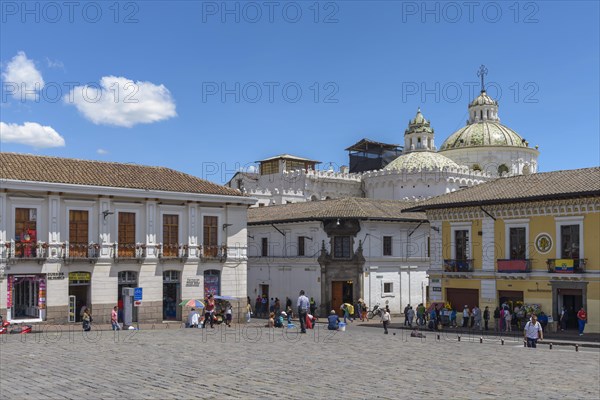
x=342 y=326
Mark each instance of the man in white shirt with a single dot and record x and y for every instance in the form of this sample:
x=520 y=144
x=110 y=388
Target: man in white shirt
x=303 y=304
x=385 y=318
x=193 y=319
x=533 y=331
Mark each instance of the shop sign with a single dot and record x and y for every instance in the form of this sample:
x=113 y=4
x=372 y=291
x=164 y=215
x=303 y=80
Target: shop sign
x=80 y=276
x=435 y=280
x=137 y=303
x=436 y=289
x=192 y=282
x=42 y=294
x=55 y=276
x=9 y=292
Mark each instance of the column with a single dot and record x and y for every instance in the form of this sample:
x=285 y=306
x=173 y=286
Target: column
x=53 y=226
x=151 y=229
x=193 y=231
x=489 y=251
x=106 y=246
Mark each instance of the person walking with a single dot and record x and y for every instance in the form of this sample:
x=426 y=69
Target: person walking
x=257 y=305
x=86 y=319
x=508 y=320
x=209 y=310
x=228 y=315
x=581 y=320
x=453 y=318
x=264 y=304
x=465 y=316
x=486 y=317
x=533 y=331
x=406 y=314
x=564 y=318
x=114 y=319
x=248 y=312
x=303 y=305
x=497 y=319
x=477 y=317
x=347 y=312
x=411 y=316
x=385 y=319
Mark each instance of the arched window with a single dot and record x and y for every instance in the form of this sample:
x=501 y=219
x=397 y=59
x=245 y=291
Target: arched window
x=212 y=282
x=476 y=167
x=480 y=114
x=502 y=169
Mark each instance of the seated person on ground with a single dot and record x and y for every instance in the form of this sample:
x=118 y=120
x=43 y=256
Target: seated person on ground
x=333 y=321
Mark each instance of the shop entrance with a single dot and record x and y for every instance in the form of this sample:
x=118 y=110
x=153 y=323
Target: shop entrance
x=27 y=296
x=79 y=287
x=341 y=292
x=458 y=298
x=573 y=300
x=510 y=298
x=171 y=296
x=127 y=279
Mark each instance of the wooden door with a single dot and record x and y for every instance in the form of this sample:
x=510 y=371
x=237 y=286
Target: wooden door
x=337 y=296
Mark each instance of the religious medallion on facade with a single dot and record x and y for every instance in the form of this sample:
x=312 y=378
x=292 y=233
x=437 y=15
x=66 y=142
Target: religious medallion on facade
x=543 y=243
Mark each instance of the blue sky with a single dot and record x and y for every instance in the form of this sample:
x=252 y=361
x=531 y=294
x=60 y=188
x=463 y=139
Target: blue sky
x=218 y=89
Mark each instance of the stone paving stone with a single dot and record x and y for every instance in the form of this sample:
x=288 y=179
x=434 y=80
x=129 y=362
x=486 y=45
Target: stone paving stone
x=251 y=362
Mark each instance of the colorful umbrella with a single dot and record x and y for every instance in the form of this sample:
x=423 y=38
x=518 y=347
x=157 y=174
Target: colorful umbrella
x=192 y=303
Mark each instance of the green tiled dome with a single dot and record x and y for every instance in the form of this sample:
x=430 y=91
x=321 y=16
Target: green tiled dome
x=421 y=160
x=486 y=133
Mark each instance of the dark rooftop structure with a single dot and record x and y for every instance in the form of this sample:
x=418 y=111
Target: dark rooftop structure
x=369 y=155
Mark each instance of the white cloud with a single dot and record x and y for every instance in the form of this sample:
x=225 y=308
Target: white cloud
x=55 y=64
x=122 y=102
x=22 y=79
x=31 y=134
x=102 y=152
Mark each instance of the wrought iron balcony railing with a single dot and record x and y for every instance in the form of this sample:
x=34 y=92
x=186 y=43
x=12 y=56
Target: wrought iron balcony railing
x=458 y=265
x=82 y=251
x=514 y=265
x=566 y=265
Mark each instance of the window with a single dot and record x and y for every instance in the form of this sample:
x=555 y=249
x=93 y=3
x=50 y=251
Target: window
x=461 y=244
x=341 y=247
x=25 y=232
x=170 y=235
x=265 y=247
x=569 y=239
x=269 y=167
x=126 y=234
x=518 y=243
x=211 y=230
x=388 y=287
x=387 y=245
x=78 y=233
x=428 y=246
x=502 y=169
x=300 y=245
x=291 y=165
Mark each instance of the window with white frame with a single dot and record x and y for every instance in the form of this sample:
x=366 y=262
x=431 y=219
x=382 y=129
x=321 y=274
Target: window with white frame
x=387 y=288
x=460 y=248
x=516 y=237
x=569 y=237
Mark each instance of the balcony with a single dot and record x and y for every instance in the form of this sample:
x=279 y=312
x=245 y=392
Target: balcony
x=458 y=265
x=26 y=251
x=514 y=266
x=566 y=265
x=173 y=251
x=128 y=251
x=214 y=252
x=81 y=251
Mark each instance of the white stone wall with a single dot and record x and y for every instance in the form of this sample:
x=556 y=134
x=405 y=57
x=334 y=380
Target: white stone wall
x=53 y=228
x=489 y=158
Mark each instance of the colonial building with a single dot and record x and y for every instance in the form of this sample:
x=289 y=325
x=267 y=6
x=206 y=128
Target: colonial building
x=75 y=233
x=531 y=239
x=339 y=251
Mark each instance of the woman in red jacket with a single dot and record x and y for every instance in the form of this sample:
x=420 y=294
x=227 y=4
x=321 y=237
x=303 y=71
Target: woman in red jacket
x=581 y=319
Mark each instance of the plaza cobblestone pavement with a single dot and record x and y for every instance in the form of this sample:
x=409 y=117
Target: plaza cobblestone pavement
x=249 y=361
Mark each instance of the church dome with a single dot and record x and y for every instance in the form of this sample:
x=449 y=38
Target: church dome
x=483 y=100
x=485 y=133
x=418 y=125
x=421 y=160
